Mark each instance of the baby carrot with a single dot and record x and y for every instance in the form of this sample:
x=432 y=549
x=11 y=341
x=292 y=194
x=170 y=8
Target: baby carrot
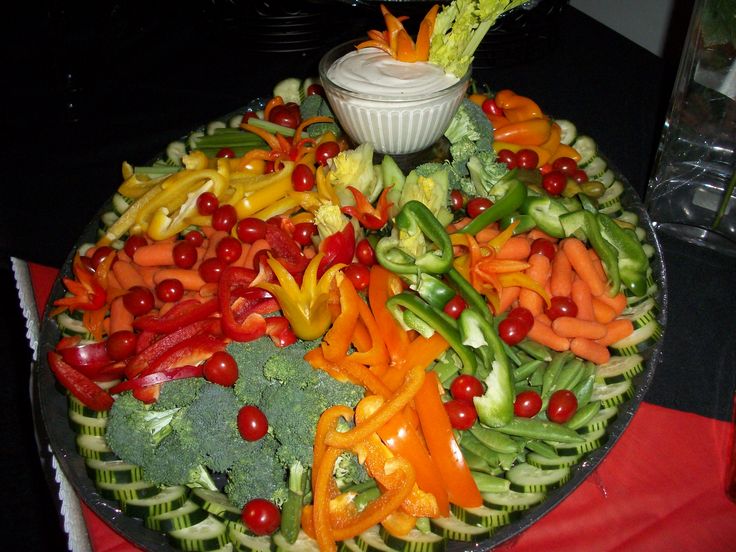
x=487 y=234
x=516 y=248
x=561 y=275
x=255 y=247
x=616 y=330
x=597 y=264
x=603 y=312
x=539 y=268
x=127 y=275
x=214 y=239
x=240 y=261
x=581 y=296
x=536 y=233
x=569 y=326
x=545 y=335
x=617 y=302
x=120 y=317
x=148 y=273
x=190 y=279
x=581 y=263
x=155 y=254
x=590 y=350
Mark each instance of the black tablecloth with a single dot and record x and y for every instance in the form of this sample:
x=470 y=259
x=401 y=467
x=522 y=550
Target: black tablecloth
x=96 y=85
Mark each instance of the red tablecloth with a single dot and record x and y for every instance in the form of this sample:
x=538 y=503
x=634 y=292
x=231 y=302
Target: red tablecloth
x=660 y=488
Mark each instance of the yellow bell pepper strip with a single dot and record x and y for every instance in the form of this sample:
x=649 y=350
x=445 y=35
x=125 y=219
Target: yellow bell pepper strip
x=278 y=188
x=517 y=108
x=325 y=189
x=337 y=340
x=531 y=132
x=162 y=226
x=87 y=292
x=305 y=307
x=283 y=206
x=134 y=186
x=461 y=487
x=370 y=217
x=522 y=280
x=128 y=218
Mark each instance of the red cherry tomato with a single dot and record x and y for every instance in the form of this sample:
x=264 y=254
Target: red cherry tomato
x=315 y=90
x=121 y=344
x=133 y=243
x=261 y=516
x=544 y=247
x=169 y=290
x=225 y=153
x=195 y=237
x=527 y=159
x=284 y=115
x=138 y=301
x=465 y=387
x=87 y=263
x=252 y=423
x=507 y=157
x=477 y=205
x=211 y=269
x=561 y=306
x=248 y=115
x=554 y=182
x=207 y=202
x=457 y=200
x=229 y=249
x=100 y=254
x=512 y=330
x=490 y=107
x=185 y=254
x=303 y=233
x=566 y=165
x=224 y=218
x=455 y=306
x=302 y=178
x=462 y=414
x=527 y=404
x=561 y=406
x=325 y=151
x=579 y=176
x=359 y=275
x=523 y=314
x=222 y=369
x=365 y=253
x=251 y=229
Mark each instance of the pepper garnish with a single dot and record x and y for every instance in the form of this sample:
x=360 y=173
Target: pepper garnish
x=88 y=294
x=370 y=217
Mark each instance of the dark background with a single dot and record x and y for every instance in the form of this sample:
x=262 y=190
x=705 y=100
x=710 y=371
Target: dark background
x=91 y=84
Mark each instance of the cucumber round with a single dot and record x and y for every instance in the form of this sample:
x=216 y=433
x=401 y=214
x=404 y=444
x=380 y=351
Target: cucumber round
x=612 y=394
x=593 y=440
x=216 y=503
x=484 y=516
x=94 y=447
x=184 y=516
x=249 y=543
x=544 y=463
x=126 y=491
x=166 y=500
x=87 y=425
x=513 y=500
x=113 y=471
x=619 y=368
x=370 y=541
x=414 y=541
x=208 y=534
x=454 y=529
x=526 y=478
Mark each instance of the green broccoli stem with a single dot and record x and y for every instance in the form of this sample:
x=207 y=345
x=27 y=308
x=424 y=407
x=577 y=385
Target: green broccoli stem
x=200 y=477
x=159 y=423
x=291 y=511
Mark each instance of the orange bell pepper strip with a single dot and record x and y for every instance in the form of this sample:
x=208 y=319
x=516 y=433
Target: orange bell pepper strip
x=399 y=523
x=565 y=151
x=553 y=143
x=327 y=423
x=461 y=487
x=531 y=132
x=370 y=217
x=273 y=102
x=321 y=492
x=377 y=354
x=337 y=340
x=426 y=27
x=516 y=107
x=383 y=285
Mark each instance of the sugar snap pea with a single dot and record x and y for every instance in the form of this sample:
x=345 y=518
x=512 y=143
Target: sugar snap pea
x=553 y=371
x=490 y=483
x=569 y=375
x=533 y=428
x=525 y=370
x=495 y=440
x=535 y=350
x=583 y=415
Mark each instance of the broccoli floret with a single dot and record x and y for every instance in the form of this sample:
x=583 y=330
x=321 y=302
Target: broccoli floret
x=178 y=393
x=176 y=463
x=485 y=172
x=349 y=471
x=470 y=123
x=257 y=474
x=316 y=106
x=251 y=356
x=287 y=365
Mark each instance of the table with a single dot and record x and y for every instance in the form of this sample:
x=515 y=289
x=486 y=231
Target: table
x=136 y=101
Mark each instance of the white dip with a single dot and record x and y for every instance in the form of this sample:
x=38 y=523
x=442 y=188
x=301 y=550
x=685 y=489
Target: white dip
x=373 y=71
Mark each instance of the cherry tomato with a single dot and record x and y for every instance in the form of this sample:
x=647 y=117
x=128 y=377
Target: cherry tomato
x=169 y=290
x=252 y=423
x=221 y=369
x=248 y=115
x=325 y=151
x=490 y=107
x=133 y=243
x=462 y=414
x=121 y=344
x=465 y=387
x=229 y=249
x=207 y=202
x=523 y=314
x=579 y=176
x=224 y=218
x=527 y=404
x=211 y=269
x=195 y=237
x=284 y=115
x=315 y=90
x=561 y=406
x=561 y=306
x=303 y=233
x=100 y=254
x=138 y=301
x=457 y=200
x=269 y=167
x=261 y=516
x=87 y=263
x=185 y=254
x=512 y=330
x=251 y=229
x=365 y=253
x=507 y=157
x=359 y=275
x=554 y=182
x=302 y=178
x=455 y=306
x=527 y=159
x=566 y=165
x=225 y=153
x=544 y=247
x=477 y=205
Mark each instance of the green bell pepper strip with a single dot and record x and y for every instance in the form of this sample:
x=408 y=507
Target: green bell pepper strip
x=415 y=217
x=603 y=248
x=632 y=260
x=442 y=324
x=546 y=212
x=471 y=296
x=430 y=288
x=506 y=204
x=525 y=223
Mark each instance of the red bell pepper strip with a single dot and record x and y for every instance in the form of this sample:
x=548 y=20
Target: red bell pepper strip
x=279 y=330
x=373 y=218
x=163 y=376
x=337 y=248
x=249 y=324
x=190 y=351
x=87 y=293
x=83 y=388
x=91 y=356
x=285 y=249
x=185 y=313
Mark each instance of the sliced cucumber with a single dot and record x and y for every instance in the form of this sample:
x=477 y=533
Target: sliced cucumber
x=250 y=543
x=94 y=447
x=587 y=148
x=113 y=471
x=642 y=313
x=215 y=503
x=208 y=534
x=370 y=541
x=184 y=516
x=303 y=543
x=414 y=541
x=127 y=491
x=596 y=168
x=612 y=394
x=640 y=340
x=607 y=178
x=513 y=500
x=87 y=425
x=610 y=202
x=568 y=131
x=71 y=326
x=526 y=478
x=75 y=405
x=545 y=463
x=108 y=219
x=453 y=529
x=600 y=421
x=289 y=89
x=593 y=440
x=166 y=500
x=485 y=516
x=350 y=545
x=619 y=368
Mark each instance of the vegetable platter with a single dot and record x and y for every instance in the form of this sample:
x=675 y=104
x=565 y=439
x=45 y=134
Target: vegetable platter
x=270 y=339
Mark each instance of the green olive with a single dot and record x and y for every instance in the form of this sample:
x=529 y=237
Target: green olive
x=572 y=188
x=593 y=188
